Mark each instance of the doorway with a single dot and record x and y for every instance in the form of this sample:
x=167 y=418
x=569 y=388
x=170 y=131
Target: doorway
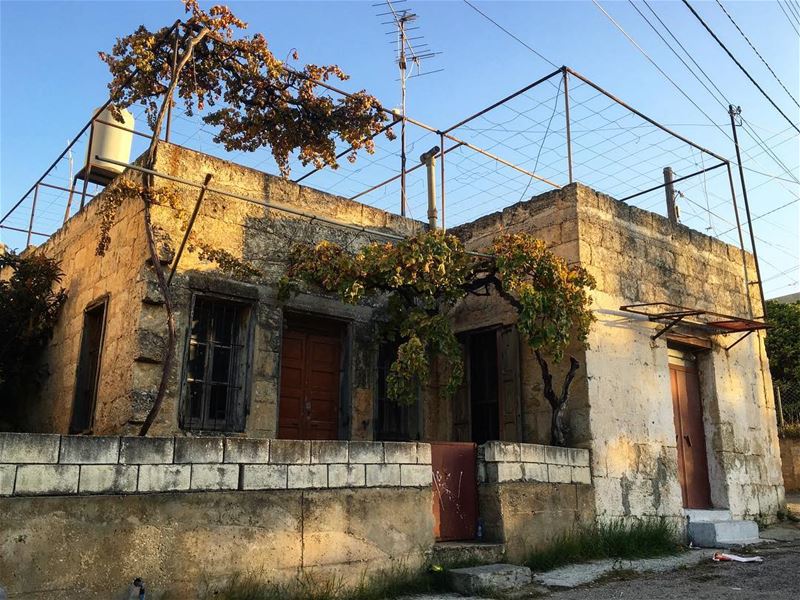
x=689 y=431
x=311 y=368
x=88 y=375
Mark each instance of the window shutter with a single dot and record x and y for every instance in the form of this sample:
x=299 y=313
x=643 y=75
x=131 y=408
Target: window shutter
x=462 y=426
x=509 y=384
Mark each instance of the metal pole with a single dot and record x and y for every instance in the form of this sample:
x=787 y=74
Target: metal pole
x=658 y=187
x=169 y=106
x=733 y=113
x=402 y=64
x=741 y=242
x=779 y=405
x=88 y=171
x=669 y=191
x=441 y=168
x=566 y=114
x=33 y=212
x=69 y=198
x=429 y=160
x=189 y=226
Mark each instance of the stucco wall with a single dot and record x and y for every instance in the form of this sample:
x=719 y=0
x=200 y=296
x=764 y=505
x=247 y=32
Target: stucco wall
x=637 y=256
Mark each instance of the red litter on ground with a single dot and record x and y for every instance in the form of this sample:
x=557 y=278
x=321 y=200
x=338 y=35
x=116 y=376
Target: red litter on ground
x=723 y=557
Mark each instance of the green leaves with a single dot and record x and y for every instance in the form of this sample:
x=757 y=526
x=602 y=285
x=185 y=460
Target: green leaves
x=424 y=276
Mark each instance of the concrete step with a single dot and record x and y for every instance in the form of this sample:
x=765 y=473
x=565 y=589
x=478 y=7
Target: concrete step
x=467 y=553
x=695 y=514
x=489 y=578
x=716 y=534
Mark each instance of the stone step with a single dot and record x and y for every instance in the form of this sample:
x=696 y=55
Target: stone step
x=467 y=553
x=489 y=578
x=695 y=514
x=716 y=534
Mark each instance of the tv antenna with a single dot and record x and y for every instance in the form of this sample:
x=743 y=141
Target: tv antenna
x=410 y=49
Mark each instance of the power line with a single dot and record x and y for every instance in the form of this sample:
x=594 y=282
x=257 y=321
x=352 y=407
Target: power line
x=491 y=20
x=738 y=64
x=739 y=29
x=791 y=23
x=793 y=11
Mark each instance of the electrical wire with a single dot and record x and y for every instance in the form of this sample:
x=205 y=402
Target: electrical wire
x=766 y=64
x=791 y=23
x=738 y=64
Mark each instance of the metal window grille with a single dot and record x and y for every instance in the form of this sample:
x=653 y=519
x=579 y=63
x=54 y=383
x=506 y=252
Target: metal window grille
x=214 y=372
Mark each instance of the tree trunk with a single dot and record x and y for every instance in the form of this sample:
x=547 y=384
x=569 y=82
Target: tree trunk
x=558 y=429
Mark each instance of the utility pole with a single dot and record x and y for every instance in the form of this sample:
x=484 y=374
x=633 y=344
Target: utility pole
x=401 y=32
x=669 y=190
x=735 y=112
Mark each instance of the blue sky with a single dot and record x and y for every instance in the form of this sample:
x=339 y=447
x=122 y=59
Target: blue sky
x=51 y=78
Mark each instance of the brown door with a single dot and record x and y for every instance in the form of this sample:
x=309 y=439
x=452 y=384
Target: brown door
x=455 y=490
x=691 y=439
x=310 y=383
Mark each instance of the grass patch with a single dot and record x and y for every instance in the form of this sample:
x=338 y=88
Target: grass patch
x=381 y=585
x=615 y=539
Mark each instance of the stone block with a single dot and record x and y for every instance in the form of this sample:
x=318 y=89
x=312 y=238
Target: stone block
x=307 y=476
x=559 y=473
x=400 y=452
x=340 y=476
x=502 y=452
x=423 y=453
x=557 y=455
x=146 y=450
x=416 y=475
x=489 y=578
x=164 y=478
x=7 y=475
x=108 y=479
x=215 y=477
x=581 y=475
x=34 y=480
x=289 y=452
x=532 y=453
x=29 y=448
x=202 y=450
x=89 y=450
x=325 y=451
x=535 y=472
x=579 y=457
x=245 y=450
x=502 y=472
x=366 y=452
x=383 y=475
x=264 y=477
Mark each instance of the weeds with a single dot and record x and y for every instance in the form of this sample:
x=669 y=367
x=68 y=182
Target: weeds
x=615 y=539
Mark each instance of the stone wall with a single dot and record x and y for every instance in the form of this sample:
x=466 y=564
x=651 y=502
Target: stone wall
x=790 y=459
x=637 y=256
x=530 y=494
x=91 y=513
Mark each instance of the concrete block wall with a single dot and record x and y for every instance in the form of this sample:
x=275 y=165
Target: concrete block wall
x=503 y=462
x=49 y=464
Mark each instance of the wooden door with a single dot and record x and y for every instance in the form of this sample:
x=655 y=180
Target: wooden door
x=310 y=384
x=455 y=490
x=88 y=375
x=691 y=439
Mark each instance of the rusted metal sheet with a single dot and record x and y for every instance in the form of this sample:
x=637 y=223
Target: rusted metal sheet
x=455 y=490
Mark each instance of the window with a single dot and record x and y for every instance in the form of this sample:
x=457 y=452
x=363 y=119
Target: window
x=88 y=376
x=393 y=421
x=216 y=365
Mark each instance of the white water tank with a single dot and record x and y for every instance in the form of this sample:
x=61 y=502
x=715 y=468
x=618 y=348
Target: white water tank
x=109 y=141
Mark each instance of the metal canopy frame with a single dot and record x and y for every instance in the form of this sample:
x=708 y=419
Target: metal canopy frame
x=714 y=323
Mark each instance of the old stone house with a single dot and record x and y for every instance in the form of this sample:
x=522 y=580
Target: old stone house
x=661 y=420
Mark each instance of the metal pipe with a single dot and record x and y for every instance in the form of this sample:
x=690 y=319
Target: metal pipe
x=658 y=187
x=732 y=113
x=566 y=116
x=441 y=167
x=396 y=177
x=88 y=172
x=59 y=187
x=189 y=226
x=504 y=100
x=10 y=228
x=741 y=243
x=429 y=160
x=33 y=212
x=641 y=115
x=123 y=128
x=69 y=198
x=669 y=191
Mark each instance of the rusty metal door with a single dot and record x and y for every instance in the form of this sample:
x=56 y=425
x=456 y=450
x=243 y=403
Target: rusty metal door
x=690 y=434
x=455 y=490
